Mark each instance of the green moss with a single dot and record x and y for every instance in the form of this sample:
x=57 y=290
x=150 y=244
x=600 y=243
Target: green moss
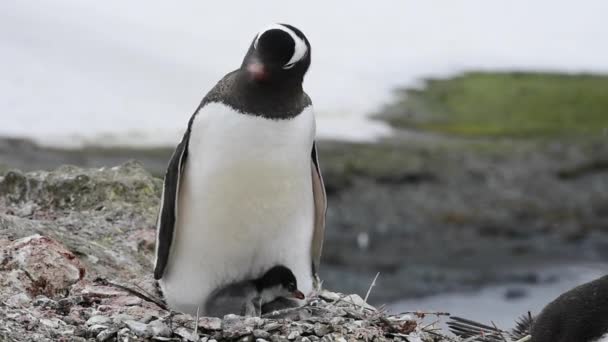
x=513 y=104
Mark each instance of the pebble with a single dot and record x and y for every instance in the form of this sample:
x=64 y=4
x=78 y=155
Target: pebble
x=293 y=334
x=98 y=320
x=96 y=329
x=186 y=334
x=321 y=329
x=52 y=323
x=329 y=296
x=121 y=318
x=210 y=323
x=138 y=328
x=159 y=328
x=19 y=300
x=107 y=334
x=45 y=302
x=261 y=334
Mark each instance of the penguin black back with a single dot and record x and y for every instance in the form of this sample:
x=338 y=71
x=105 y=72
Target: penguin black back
x=580 y=314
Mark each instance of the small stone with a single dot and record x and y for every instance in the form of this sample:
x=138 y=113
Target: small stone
x=107 y=334
x=97 y=328
x=261 y=334
x=45 y=303
x=336 y=320
x=293 y=334
x=340 y=339
x=186 y=334
x=124 y=334
x=210 y=323
x=322 y=329
x=305 y=339
x=121 y=318
x=138 y=328
x=329 y=296
x=234 y=326
x=52 y=323
x=260 y=340
x=19 y=300
x=254 y=321
x=103 y=320
x=147 y=319
x=159 y=328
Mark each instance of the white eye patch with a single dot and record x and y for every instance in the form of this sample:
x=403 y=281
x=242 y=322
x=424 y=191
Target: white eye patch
x=300 y=49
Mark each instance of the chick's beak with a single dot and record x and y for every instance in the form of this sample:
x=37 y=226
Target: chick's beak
x=257 y=70
x=298 y=294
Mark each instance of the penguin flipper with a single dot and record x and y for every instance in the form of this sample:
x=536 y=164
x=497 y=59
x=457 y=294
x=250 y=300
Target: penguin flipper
x=168 y=205
x=320 y=203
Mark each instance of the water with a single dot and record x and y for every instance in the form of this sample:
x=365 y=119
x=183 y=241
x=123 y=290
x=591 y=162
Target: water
x=492 y=305
x=131 y=72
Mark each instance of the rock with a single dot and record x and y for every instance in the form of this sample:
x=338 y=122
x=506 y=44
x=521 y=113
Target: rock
x=53 y=323
x=321 y=329
x=329 y=296
x=186 y=334
x=261 y=334
x=96 y=329
x=103 y=320
x=38 y=265
x=18 y=300
x=138 y=328
x=45 y=303
x=210 y=323
x=159 y=328
x=107 y=334
x=293 y=334
x=234 y=326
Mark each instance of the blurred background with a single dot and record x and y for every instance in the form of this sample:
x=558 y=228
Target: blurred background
x=464 y=144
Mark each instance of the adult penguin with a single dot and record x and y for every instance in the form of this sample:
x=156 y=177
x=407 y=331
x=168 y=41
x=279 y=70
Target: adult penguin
x=243 y=190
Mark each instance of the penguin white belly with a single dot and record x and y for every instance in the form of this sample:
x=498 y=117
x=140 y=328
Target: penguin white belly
x=245 y=203
x=603 y=338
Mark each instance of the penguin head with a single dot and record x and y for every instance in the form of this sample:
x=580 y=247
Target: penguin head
x=279 y=53
x=278 y=281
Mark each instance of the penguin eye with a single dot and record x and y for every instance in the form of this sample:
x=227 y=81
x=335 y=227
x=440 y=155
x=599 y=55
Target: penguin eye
x=291 y=287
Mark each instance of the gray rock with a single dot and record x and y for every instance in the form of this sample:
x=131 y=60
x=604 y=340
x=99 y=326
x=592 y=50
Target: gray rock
x=53 y=323
x=261 y=334
x=103 y=320
x=95 y=329
x=107 y=334
x=322 y=329
x=186 y=334
x=210 y=323
x=293 y=334
x=138 y=328
x=159 y=328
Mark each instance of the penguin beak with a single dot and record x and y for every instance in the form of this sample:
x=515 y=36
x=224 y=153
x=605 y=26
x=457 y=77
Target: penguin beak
x=298 y=294
x=257 y=70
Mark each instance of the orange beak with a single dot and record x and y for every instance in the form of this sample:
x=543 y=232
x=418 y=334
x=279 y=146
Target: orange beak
x=257 y=71
x=298 y=294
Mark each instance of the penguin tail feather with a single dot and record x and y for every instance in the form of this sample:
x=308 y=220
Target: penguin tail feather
x=523 y=325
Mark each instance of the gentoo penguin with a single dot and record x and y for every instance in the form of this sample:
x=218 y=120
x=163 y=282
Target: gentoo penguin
x=247 y=297
x=243 y=190
x=578 y=315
